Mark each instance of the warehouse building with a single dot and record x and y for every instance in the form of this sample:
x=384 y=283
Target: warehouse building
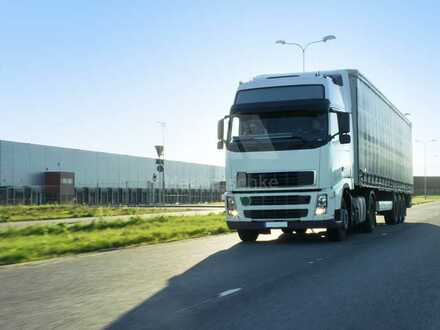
x=35 y=174
x=432 y=185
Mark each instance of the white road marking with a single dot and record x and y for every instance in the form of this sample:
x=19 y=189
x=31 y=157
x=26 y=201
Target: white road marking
x=228 y=292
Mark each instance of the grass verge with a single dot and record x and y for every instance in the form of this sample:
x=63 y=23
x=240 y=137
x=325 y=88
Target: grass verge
x=48 y=212
x=416 y=200
x=38 y=242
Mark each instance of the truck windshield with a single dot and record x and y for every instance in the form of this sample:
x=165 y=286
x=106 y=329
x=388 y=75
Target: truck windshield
x=278 y=131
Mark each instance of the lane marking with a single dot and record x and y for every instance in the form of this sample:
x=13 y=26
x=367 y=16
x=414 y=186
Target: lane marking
x=208 y=300
x=228 y=292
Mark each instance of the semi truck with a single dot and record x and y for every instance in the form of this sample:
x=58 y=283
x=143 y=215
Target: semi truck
x=314 y=150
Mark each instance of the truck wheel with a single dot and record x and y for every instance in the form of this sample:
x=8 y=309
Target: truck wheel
x=336 y=234
x=248 y=235
x=287 y=230
x=340 y=233
x=370 y=222
x=301 y=231
x=402 y=209
x=392 y=217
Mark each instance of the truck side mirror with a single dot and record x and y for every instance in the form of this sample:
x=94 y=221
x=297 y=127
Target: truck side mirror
x=344 y=139
x=343 y=122
x=220 y=133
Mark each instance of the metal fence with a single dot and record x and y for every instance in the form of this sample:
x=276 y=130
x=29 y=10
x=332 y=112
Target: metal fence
x=35 y=195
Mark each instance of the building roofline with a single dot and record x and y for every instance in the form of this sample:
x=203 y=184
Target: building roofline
x=105 y=152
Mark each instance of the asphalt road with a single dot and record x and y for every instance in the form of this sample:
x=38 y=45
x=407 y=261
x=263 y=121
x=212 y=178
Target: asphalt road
x=389 y=279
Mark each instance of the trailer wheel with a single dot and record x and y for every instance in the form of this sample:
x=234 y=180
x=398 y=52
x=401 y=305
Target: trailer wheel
x=402 y=209
x=248 y=235
x=392 y=217
x=370 y=222
x=340 y=233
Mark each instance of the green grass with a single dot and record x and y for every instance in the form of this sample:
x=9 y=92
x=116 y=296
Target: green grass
x=36 y=242
x=48 y=212
x=416 y=200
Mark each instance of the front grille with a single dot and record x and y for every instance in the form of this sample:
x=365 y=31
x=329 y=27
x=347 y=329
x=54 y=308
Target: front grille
x=276 y=200
x=275 y=179
x=275 y=214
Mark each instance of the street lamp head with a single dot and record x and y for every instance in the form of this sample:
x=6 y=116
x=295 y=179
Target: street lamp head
x=281 y=42
x=328 y=38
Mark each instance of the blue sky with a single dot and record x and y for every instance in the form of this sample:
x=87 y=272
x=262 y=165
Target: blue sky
x=99 y=74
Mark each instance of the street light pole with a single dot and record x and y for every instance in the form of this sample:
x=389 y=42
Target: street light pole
x=163 y=126
x=304 y=47
x=425 y=179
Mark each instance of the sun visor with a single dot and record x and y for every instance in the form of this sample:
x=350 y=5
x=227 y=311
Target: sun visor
x=313 y=105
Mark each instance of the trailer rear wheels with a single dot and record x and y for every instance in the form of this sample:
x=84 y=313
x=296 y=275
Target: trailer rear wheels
x=402 y=209
x=248 y=235
x=370 y=221
x=392 y=217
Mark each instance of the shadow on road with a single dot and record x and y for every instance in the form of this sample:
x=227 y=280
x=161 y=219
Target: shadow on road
x=246 y=263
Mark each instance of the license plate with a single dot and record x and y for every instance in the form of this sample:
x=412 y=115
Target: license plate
x=276 y=224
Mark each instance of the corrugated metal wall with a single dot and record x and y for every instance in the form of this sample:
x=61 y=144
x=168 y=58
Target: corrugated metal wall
x=23 y=164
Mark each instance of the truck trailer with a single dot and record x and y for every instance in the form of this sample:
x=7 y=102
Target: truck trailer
x=314 y=150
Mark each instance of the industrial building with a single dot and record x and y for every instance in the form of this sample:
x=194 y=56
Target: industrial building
x=36 y=174
x=432 y=185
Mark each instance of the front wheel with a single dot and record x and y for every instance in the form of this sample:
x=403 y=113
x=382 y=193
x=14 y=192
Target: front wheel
x=340 y=233
x=336 y=234
x=248 y=235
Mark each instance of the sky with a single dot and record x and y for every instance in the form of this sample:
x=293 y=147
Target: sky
x=98 y=75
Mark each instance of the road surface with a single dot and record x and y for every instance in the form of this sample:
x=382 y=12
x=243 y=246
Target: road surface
x=389 y=279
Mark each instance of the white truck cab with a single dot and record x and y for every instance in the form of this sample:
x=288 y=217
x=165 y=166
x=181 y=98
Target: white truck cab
x=290 y=155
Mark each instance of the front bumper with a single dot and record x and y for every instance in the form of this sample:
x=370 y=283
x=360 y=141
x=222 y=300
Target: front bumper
x=296 y=207
x=290 y=224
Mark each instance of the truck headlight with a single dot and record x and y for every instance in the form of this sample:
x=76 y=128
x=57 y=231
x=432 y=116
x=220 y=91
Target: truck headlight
x=321 y=204
x=231 y=206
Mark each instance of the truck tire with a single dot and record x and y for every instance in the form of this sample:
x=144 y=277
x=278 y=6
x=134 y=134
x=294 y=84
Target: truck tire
x=402 y=209
x=336 y=234
x=392 y=217
x=301 y=231
x=370 y=220
x=340 y=233
x=287 y=230
x=248 y=235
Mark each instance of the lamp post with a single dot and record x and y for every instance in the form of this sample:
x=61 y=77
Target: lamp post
x=304 y=47
x=161 y=154
x=425 y=143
